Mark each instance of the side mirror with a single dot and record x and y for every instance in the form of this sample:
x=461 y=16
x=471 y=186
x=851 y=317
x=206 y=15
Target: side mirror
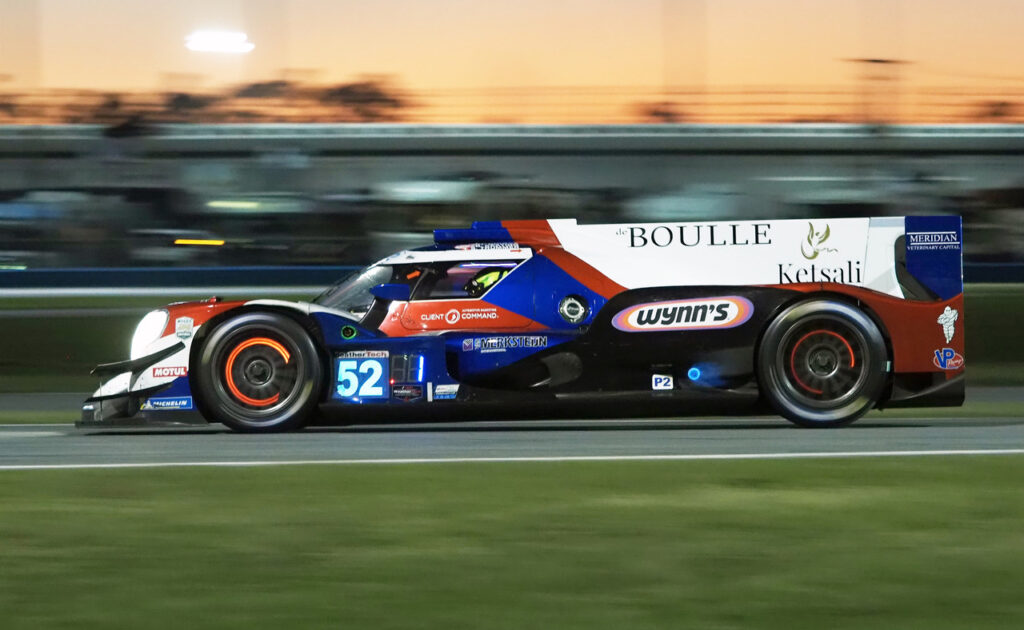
x=393 y=292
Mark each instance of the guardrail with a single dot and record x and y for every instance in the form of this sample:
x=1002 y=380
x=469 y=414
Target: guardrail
x=194 y=140
x=344 y=130
x=169 y=280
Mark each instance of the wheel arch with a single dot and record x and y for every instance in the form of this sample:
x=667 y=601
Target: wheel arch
x=837 y=296
x=305 y=321
x=832 y=295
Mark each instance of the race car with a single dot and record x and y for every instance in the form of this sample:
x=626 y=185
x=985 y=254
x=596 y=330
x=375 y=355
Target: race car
x=818 y=320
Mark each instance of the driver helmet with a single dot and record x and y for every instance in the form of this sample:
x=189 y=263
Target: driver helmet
x=484 y=280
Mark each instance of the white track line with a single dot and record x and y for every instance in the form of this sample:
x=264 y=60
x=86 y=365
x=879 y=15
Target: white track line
x=469 y=460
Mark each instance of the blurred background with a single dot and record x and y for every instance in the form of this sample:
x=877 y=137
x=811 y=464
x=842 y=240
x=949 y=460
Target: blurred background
x=156 y=151
x=225 y=133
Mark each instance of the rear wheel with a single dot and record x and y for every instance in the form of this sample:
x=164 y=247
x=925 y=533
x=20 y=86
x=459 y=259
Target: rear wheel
x=821 y=363
x=259 y=372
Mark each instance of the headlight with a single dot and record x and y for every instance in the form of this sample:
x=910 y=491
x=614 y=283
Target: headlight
x=148 y=331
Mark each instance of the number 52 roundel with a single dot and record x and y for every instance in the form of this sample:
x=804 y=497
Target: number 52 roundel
x=362 y=375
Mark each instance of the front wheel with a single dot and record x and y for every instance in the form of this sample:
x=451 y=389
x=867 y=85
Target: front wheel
x=821 y=363
x=259 y=372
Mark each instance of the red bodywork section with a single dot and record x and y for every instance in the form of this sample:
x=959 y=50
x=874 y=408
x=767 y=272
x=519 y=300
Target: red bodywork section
x=539 y=235
x=912 y=327
x=200 y=312
x=417 y=318
x=535 y=233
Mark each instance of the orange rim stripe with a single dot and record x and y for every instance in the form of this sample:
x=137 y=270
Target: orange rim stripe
x=248 y=343
x=792 y=356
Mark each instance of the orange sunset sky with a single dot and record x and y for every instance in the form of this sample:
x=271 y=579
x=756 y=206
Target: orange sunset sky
x=430 y=44
x=439 y=48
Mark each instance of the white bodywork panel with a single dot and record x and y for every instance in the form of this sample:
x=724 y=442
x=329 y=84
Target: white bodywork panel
x=475 y=251
x=160 y=373
x=858 y=252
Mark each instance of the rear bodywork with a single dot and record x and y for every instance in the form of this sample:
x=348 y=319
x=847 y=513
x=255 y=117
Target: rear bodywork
x=644 y=311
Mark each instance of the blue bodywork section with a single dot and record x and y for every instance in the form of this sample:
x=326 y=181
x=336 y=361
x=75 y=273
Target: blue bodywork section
x=481 y=232
x=176 y=397
x=535 y=290
x=420 y=359
x=411 y=352
x=935 y=253
x=332 y=325
x=481 y=353
x=361 y=374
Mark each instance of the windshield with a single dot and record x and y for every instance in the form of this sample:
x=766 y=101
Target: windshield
x=352 y=294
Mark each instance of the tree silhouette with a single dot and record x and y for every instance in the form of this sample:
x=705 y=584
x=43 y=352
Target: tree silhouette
x=664 y=112
x=264 y=89
x=184 y=105
x=369 y=100
x=996 y=110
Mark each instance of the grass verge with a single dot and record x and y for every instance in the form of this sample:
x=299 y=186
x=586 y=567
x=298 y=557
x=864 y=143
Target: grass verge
x=39 y=417
x=899 y=543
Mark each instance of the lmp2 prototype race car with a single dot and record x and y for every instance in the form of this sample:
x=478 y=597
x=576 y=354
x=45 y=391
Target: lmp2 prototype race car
x=818 y=320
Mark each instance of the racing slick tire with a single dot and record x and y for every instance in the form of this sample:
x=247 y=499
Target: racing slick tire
x=259 y=372
x=822 y=363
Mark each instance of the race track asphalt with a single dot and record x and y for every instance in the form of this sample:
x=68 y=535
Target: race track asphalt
x=63 y=445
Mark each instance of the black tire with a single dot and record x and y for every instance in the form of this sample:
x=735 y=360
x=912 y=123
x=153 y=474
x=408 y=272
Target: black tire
x=259 y=372
x=822 y=363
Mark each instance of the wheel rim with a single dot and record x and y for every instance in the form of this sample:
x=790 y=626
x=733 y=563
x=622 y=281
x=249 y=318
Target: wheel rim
x=823 y=362
x=259 y=374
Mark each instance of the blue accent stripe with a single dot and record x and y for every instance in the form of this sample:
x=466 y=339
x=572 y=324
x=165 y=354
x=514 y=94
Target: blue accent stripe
x=473 y=235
